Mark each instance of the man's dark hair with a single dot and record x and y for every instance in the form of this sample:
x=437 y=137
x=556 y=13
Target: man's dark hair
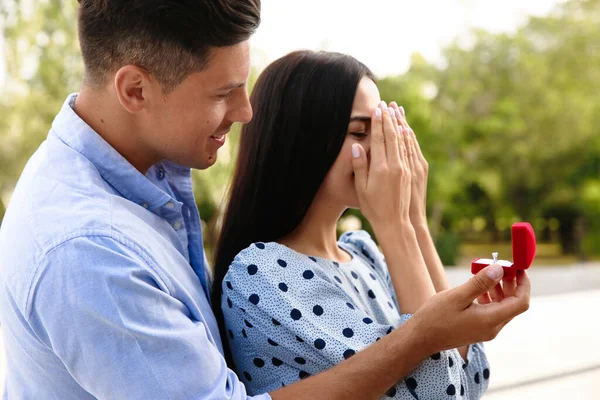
x=169 y=38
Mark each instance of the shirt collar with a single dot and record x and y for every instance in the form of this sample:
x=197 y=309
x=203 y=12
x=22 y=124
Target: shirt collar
x=113 y=167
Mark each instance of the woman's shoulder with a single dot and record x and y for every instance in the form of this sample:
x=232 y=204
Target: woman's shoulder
x=266 y=260
x=356 y=237
x=363 y=244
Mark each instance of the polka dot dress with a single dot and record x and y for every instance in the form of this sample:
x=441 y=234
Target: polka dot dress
x=289 y=316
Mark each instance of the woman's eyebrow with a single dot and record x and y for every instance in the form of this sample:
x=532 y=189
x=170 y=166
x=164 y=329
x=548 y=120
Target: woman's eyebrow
x=360 y=118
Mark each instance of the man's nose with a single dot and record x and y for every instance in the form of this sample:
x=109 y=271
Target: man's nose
x=243 y=110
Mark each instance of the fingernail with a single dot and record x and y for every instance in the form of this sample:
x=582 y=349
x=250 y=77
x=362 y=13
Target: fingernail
x=355 y=151
x=378 y=113
x=383 y=105
x=402 y=109
x=391 y=112
x=398 y=114
x=400 y=130
x=495 y=271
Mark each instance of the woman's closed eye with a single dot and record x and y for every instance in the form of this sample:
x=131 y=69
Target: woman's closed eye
x=359 y=127
x=359 y=135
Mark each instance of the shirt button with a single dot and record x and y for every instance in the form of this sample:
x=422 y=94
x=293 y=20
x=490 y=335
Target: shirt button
x=160 y=174
x=177 y=225
x=145 y=204
x=170 y=205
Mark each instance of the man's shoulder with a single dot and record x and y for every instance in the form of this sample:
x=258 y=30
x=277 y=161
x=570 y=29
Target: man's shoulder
x=56 y=196
x=57 y=202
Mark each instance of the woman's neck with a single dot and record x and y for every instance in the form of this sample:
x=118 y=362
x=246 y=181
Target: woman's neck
x=317 y=233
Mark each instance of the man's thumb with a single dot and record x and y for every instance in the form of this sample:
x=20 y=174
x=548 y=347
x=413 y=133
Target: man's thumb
x=483 y=282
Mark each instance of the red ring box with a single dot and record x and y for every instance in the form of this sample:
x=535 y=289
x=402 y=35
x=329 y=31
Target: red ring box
x=523 y=249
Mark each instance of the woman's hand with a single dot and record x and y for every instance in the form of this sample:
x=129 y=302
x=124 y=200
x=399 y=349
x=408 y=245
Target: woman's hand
x=419 y=169
x=384 y=193
x=383 y=186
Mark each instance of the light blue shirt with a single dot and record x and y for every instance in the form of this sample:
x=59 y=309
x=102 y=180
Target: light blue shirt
x=290 y=316
x=103 y=286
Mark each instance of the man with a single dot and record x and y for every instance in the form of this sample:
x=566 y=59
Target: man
x=103 y=286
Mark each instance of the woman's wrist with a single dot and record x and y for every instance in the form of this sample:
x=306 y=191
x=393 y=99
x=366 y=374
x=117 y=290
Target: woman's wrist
x=394 y=232
x=420 y=224
x=422 y=231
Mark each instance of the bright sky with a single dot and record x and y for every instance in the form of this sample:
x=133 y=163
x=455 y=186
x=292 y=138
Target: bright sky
x=381 y=33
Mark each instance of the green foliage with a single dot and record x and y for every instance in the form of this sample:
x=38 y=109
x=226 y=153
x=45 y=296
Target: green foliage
x=512 y=132
x=448 y=248
x=43 y=66
x=510 y=125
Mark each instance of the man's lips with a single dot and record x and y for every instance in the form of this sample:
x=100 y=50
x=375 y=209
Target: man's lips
x=220 y=138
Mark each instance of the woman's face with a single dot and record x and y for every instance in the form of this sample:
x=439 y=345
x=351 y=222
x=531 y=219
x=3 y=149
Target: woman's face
x=338 y=186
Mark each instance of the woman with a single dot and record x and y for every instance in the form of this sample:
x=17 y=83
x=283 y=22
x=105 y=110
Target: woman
x=295 y=300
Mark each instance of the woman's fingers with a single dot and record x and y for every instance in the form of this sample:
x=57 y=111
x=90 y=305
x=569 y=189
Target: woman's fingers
x=391 y=139
x=401 y=143
x=419 y=153
x=361 y=168
x=401 y=132
x=378 y=156
x=414 y=160
x=407 y=139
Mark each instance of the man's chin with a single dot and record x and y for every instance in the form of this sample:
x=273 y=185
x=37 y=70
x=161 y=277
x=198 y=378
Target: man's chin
x=206 y=162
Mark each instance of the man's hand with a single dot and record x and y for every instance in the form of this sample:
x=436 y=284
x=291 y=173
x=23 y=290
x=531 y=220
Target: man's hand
x=448 y=320
x=451 y=319
x=507 y=288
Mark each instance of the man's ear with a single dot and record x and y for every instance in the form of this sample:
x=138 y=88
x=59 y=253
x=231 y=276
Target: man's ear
x=133 y=86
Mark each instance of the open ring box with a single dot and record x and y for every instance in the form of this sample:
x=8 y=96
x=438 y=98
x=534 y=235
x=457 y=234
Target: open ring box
x=523 y=249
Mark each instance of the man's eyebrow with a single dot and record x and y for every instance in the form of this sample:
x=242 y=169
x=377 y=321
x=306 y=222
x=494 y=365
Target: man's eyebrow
x=360 y=118
x=232 y=86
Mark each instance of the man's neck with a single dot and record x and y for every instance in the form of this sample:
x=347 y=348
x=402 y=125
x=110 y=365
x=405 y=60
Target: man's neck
x=101 y=110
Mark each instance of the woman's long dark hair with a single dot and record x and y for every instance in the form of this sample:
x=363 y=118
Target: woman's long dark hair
x=302 y=104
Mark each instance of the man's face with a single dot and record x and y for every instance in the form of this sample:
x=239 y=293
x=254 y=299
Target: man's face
x=189 y=124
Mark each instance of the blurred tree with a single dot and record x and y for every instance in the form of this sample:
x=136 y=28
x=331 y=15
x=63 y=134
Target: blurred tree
x=43 y=66
x=510 y=125
x=524 y=110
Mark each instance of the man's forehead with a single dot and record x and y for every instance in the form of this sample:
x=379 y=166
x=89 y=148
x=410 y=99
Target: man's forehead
x=228 y=67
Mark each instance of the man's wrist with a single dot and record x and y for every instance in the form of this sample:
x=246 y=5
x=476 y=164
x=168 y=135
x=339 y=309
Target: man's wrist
x=413 y=331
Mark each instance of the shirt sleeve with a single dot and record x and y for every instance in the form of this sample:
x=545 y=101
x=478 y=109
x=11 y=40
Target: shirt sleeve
x=108 y=315
x=295 y=321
